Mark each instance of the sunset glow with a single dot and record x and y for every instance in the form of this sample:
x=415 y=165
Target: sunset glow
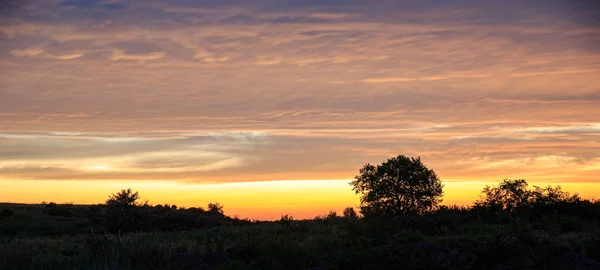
x=271 y=107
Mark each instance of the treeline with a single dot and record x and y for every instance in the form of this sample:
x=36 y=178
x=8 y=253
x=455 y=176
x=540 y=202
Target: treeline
x=508 y=203
x=125 y=213
x=121 y=213
x=400 y=223
x=515 y=198
x=404 y=185
x=399 y=192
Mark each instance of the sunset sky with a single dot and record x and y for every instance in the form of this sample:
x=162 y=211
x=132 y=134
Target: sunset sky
x=272 y=106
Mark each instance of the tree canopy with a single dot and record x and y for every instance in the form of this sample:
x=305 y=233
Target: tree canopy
x=399 y=185
x=125 y=197
x=514 y=194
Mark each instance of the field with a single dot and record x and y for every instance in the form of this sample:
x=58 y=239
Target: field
x=75 y=237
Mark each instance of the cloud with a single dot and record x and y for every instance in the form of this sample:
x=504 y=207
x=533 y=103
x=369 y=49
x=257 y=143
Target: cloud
x=36 y=52
x=67 y=154
x=560 y=72
x=27 y=52
x=265 y=90
x=266 y=61
x=569 y=129
x=121 y=55
x=425 y=78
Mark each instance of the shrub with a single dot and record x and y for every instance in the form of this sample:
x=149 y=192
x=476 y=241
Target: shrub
x=286 y=218
x=349 y=212
x=508 y=195
x=124 y=198
x=215 y=208
x=125 y=214
x=513 y=196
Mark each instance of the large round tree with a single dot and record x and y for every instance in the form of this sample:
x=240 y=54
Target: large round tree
x=398 y=186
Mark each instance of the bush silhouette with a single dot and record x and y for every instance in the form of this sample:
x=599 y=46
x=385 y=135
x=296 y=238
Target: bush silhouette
x=551 y=195
x=508 y=195
x=125 y=214
x=124 y=198
x=349 y=212
x=398 y=186
x=287 y=218
x=215 y=208
x=513 y=195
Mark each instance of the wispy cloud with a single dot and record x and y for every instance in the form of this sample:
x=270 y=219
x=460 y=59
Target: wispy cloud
x=425 y=78
x=237 y=91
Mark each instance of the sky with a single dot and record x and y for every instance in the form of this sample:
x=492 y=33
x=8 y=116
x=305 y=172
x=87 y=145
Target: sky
x=272 y=106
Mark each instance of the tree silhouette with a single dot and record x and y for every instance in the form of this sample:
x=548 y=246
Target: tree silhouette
x=349 y=212
x=552 y=195
x=125 y=197
x=124 y=213
x=215 y=208
x=399 y=185
x=510 y=195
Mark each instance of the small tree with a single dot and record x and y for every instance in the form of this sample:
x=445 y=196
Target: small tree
x=511 y=195
x=552 y=195
x=125 y=213
x=349 y=212
x=215 y=208
x=399 y=185
x=286 y=219
x=508 y=195
x=125 y=197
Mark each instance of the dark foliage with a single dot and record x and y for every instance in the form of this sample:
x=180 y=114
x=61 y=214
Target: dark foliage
x=6 y=213
x=349 y=212
x=512 y=199
x=125 y=214
x=450 y=237
x=124 y=198
x=400 y=185
x=215 y=208
x=63 y=210
x=510 y=227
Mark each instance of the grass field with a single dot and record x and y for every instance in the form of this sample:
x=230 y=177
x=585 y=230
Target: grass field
x=35 y=238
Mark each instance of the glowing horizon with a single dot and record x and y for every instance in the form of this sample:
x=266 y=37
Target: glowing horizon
x=267 y=200
x=215 y=94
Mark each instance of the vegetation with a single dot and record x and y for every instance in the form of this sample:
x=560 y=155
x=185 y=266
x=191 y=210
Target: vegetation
x=511 y=226
x=400 y=185
x=349 y=212
x=126 y=198
x=52 y=219
x=513 y=195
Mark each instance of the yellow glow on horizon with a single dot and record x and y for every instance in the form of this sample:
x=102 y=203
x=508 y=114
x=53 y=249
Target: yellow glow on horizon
x=256 y=200
x=209 y=109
